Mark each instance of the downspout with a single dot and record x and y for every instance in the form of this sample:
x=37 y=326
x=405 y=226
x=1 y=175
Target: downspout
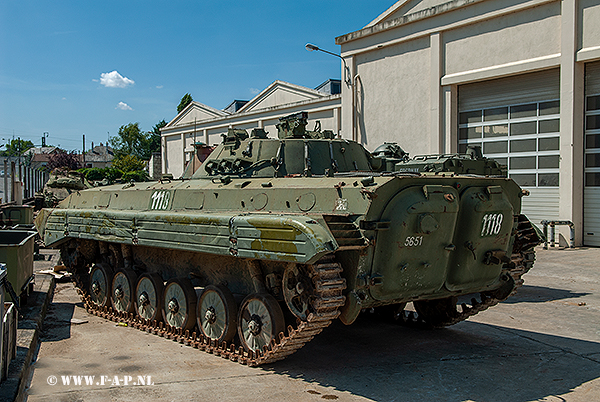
x=354 y=114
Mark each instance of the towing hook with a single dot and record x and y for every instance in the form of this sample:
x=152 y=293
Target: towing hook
x=495 y=257
x=469 y=246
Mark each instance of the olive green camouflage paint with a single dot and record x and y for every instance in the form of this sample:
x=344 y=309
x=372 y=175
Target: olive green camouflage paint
x=421 y=232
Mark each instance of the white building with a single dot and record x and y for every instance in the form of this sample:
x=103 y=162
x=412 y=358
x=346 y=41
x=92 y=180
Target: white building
x=519 y=77
x=198 y=122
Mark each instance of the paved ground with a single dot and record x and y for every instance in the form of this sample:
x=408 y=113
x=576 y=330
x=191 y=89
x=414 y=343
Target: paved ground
x=541 y=345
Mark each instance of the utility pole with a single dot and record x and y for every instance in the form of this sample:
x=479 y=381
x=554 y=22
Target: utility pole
x=83 y=151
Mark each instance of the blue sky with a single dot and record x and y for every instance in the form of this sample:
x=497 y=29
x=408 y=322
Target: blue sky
x=88 y=67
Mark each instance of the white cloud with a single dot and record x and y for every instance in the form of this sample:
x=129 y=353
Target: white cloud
x=115 y=80
x=159 y=87
x=123 y=106
x=254 y=91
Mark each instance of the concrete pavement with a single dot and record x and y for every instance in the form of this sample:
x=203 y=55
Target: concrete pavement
x=543 y=344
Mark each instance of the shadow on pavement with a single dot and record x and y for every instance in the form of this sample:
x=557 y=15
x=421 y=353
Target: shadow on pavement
x=540 y=294
x=57 y=324
x=469 y=361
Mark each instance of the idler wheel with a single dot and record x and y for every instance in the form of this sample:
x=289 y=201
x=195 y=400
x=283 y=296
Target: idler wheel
x=179 y=304
x=260 y=320
x=123 y=284
x=298 y=290
x=149 y=297
x=100 y=284
x=217 y=313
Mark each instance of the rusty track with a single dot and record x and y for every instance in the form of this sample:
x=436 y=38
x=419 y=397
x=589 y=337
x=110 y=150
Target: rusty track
x=328 y=285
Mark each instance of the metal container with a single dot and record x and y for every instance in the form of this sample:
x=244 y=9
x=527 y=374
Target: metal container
x=16 y=251
x=9 y=338
x=17 y=215
x=2 y=277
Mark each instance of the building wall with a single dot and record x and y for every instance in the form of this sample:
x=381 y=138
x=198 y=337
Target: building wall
x=506 y=39
x=589 y=29
x=411 y=62
x=399 y=94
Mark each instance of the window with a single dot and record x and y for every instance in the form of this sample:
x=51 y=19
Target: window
x=526 y=138
x=592 y=141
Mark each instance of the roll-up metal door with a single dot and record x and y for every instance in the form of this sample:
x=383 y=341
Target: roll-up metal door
x=514 y=90
x=591 y=192
x=516 y=120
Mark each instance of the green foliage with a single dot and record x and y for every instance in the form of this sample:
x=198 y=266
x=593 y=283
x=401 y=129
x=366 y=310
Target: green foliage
x=132 y=141
x=158 y=126
x=125 y=169
x=16 y=147
x=129 y=141
x=62 y=159
x=93 y=174
x=138 y=175
x=186 y=100
x=154 y=137
x=128 y=163
x=111 y=174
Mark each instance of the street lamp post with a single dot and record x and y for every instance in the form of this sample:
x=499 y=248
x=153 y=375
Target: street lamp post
x=349 y=82
x=310 y=47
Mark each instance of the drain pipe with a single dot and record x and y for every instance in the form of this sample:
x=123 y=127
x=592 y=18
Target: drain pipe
x=354 y=114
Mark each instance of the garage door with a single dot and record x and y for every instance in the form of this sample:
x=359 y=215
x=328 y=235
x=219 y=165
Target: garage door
x=516 y=121
x=591 y=193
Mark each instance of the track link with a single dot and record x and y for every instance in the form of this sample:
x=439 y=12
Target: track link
x=328 y=298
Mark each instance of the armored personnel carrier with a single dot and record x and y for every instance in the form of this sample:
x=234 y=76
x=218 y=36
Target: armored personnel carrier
x=274 y=238
x=61 y=183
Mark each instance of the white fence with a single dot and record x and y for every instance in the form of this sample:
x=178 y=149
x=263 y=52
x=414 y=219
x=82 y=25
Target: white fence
x=19 y=181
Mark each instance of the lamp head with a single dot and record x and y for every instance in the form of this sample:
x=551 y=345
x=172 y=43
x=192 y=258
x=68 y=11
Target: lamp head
x=310 y=47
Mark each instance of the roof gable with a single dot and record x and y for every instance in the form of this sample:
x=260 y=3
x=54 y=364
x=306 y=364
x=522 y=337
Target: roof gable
x=404 y=7
x=280 y=93
x=195 y=111
x=41 y=150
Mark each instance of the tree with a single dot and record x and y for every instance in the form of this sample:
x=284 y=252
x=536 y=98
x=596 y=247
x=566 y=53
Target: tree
x=132 y=141
x=17 y=147
x=154 y=137
x=124 y=168
x=186 y=100
x=62 y=159
x=129 y=141
x=128 y=163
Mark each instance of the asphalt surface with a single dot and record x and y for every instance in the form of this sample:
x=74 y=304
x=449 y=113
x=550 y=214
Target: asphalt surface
x=543 y=344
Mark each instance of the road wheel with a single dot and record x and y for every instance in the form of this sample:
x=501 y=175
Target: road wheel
x=217 y=313
x=123 y=284
x=149 y=297
x=260 y=320
x=179 y=304
x=100 y=284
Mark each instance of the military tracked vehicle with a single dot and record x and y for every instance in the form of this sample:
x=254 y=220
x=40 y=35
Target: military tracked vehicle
x=274 y=238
